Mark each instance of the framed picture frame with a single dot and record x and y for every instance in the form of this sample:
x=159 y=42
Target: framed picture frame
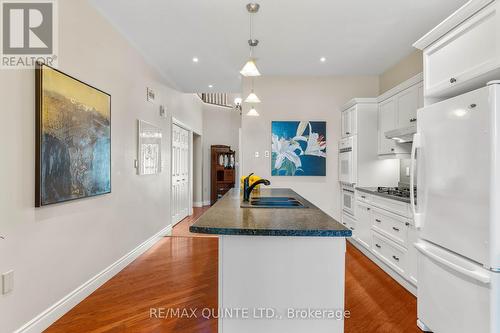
x=72 y=139
x=298 y=148
x=149 y=148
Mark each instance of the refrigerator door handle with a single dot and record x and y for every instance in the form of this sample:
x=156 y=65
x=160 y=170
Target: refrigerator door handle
x=416 y=145
x=475 y=274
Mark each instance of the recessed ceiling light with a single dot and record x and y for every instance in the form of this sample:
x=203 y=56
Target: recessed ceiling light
x=322 y=59
x=195 y=59
x=210 y=86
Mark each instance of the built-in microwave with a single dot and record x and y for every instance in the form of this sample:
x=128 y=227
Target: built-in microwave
x=348 y=200
x=347 y=160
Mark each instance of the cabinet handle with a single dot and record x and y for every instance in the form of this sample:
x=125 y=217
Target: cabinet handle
x=363 y=197
x=472 y=106
x=395 y=258
x=412 y=120
x=347 y=133
x=392 y=149
x=453 y=80
x=378 y=246
x=368 y=208
x=378 y=220
x=395 y=229
x=407 y=224
x=351 y=228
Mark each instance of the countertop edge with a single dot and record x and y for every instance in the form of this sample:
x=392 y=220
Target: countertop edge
x=270 y=232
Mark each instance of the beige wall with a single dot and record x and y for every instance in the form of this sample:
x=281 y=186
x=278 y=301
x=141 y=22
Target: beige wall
x=220 y=127
x=55 y=249
x=301 y=98
x=407 y=67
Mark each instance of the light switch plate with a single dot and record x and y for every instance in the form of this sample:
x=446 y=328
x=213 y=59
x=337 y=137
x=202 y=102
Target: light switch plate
x=407 y=171
x=257 y=154
x=7 y=282
x=266 y=153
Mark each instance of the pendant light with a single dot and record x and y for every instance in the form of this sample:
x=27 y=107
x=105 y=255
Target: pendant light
x=250 y=68
x=252 y=98
x=252 y=112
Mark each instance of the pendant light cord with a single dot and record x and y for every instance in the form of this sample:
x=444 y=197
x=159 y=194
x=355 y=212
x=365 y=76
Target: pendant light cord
x=251 y=34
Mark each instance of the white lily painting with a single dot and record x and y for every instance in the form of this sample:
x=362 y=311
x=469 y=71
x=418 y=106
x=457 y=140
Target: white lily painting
x=298 y=148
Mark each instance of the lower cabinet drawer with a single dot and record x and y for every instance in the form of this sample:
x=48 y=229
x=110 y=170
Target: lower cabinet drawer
x=397 y=207
x=392 y=226
x=349 y=222
x=389 y=252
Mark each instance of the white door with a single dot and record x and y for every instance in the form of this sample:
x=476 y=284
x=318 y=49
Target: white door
x=180 y=173
x=454 y=174
x=455 y=295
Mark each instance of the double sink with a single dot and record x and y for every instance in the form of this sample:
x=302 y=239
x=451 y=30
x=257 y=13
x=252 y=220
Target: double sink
x=274 y=202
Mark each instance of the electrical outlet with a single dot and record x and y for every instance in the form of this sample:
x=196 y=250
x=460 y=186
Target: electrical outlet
x=257 y=154
x=407 y=171
x=266 y=153
x=7 y=282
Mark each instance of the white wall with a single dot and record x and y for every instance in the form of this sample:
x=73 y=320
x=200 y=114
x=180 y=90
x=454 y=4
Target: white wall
x=220 y=127
x=55 y=249
x=301 y=98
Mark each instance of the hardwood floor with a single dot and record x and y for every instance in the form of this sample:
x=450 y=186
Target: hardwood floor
x=182 y=228
x=181 y=272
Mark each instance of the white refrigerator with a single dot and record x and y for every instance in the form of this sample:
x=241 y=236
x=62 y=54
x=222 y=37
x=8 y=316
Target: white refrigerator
x=457 y=150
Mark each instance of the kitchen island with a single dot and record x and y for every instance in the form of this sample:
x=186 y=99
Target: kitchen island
x=280 y=269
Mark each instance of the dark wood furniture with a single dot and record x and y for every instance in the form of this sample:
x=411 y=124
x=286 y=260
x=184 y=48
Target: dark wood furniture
x=222 y=173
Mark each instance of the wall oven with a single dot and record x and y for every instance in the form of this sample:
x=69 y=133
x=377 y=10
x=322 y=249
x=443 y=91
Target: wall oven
x=348 y=200
x=347 y=161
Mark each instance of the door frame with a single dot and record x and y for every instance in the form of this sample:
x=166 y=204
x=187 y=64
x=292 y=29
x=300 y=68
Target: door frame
x=182 y=125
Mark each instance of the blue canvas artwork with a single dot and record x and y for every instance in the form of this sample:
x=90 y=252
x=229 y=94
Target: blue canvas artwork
x=298 y=148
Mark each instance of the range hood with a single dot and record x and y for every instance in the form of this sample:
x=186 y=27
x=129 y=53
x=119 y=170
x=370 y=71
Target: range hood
x=402 y=135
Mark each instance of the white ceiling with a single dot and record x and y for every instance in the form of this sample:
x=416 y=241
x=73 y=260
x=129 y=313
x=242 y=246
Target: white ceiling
x=357 y=37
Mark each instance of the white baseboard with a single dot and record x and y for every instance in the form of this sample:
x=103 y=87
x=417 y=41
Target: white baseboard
x=399 y=279
x=201 y=203
x=56 y=311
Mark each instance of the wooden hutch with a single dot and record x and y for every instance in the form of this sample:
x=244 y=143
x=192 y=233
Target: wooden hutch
x=222 y=173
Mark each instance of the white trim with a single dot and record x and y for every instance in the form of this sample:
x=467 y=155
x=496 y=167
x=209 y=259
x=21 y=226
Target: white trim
x=198 y=204
x=402 y=86
x=356 y=101
x=399 y=279
x=57 y=310
x=459 y=16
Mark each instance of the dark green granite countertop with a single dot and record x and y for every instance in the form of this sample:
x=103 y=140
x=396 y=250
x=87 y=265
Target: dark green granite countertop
x=226 y=217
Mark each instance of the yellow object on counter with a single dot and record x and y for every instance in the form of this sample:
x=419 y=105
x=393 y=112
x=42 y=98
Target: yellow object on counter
x=253 y=179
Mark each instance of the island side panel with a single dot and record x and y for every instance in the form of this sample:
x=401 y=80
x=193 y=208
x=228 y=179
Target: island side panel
x=281 y=273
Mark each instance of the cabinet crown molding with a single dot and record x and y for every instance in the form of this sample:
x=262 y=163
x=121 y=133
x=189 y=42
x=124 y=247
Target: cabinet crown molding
x=356 y=101
x=400 y=87
x=459 y=16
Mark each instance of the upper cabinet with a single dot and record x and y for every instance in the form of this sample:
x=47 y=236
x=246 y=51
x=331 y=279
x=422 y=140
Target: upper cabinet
x=463 y=52
x=397 y=109
x=349 y=122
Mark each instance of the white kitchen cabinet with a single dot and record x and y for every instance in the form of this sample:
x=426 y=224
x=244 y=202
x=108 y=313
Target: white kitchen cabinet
x=349 y=122
x=392 y=254
x=407 y=105
x=363 y=224
x=386 y=122
x=463 y=52
x=350 y=223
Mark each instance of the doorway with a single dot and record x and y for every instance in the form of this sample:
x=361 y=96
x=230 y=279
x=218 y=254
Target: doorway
x=181 y=198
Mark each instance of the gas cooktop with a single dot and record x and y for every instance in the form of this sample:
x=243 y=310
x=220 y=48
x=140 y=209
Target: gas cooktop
x=403 y=192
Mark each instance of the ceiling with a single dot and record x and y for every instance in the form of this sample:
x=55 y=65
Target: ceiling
x=357 y=37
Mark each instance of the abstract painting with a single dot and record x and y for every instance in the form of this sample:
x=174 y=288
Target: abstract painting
x=73 y=138
x=298 y=148
x=149 y=149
